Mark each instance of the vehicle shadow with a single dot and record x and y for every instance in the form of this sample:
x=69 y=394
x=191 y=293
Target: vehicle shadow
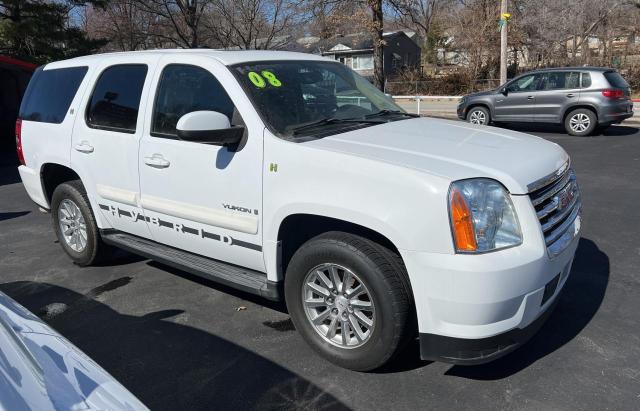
x=9 y=175
x=168 y=365
x=10 y=215
x=279 y=306
x=612 y=131
x=579 y=302
x=8 y=164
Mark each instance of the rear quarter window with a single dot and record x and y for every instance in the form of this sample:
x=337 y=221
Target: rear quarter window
x=615 y=79
x=586 y=80
x=50 y=93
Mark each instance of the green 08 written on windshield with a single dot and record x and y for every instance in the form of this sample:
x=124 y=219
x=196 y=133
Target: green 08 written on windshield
x=314 y=98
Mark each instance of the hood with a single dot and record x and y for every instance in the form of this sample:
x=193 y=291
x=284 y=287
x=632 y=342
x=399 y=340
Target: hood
x=453 y=150
x=480 y=93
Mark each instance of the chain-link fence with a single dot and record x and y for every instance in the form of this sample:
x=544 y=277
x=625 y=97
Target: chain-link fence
x=442 y=87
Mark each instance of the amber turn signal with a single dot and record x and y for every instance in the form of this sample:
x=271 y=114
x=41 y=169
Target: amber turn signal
x=462 y=223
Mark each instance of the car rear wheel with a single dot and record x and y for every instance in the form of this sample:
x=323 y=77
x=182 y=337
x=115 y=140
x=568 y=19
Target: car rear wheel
x=75 y=225
x=479 y=115
x=580 y=122
x=348 y=300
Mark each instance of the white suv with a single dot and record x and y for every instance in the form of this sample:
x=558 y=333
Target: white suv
x=289 y=176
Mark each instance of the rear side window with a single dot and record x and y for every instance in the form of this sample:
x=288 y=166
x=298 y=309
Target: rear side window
x=586 y=80
x=115 y=100
x=561 y=80
x=183 y=89
x=615 y=79
x=50 y=93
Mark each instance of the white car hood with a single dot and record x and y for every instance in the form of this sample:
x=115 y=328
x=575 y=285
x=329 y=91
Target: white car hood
x=454 y=150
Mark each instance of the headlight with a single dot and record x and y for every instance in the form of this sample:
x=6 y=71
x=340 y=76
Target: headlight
x=482 y=216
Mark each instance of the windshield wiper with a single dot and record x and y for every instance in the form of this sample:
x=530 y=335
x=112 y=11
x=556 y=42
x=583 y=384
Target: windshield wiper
x=331 y=120
x=386 y=112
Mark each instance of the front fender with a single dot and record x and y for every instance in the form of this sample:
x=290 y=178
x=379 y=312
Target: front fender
x=406 y=206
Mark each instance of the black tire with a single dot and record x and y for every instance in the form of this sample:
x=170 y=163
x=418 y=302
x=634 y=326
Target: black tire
x=481 y=113
x=384 y=276
x=95 y=250
x=581 y=114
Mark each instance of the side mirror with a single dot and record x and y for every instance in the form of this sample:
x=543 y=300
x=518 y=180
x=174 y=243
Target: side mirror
x=504 y=91
x=208 y=127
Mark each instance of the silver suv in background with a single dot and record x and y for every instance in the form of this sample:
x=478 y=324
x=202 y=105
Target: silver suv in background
x=581 y=98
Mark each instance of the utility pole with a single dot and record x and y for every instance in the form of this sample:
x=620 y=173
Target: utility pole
x=504 y=17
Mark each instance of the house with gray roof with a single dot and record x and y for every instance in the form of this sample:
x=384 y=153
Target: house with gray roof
x=400 y=51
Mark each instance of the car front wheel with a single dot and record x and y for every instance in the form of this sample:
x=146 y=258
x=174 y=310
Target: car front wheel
x=479 y=115
x=347 y=298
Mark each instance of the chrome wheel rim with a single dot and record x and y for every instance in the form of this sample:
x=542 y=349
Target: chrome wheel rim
x=72 y=225
x=338 y=305
x=477 y=117
x=579 y=122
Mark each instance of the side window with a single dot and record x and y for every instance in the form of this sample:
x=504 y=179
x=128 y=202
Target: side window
x=586 y=80
x=525 y=83
x=573 y=80
x=49 y=94
x=183 y=89
x=561 y=80
x=115 y=100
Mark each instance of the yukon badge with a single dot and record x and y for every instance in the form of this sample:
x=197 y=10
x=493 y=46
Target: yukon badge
x=240 y=209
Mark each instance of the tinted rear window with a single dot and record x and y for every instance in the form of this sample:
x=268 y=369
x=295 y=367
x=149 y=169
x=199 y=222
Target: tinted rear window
x=116 y=98
x=615 y=79
x=586 y=80
x=50 y=93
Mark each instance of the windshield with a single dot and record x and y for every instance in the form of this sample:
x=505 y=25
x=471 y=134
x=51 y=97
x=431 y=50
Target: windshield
x=314 y=97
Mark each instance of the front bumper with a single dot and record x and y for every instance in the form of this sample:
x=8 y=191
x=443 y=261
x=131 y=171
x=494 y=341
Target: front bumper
x=464 y=351
x=462 y=111
x=475 y=308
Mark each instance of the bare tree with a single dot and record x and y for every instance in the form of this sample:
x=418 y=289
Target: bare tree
x=473 y=31
x=178 y=21
x=425 y=18
x=362 y=15
x=560 y=32
x=251 y=24
x=417 y=14
x=124 y=23
x=377 y=23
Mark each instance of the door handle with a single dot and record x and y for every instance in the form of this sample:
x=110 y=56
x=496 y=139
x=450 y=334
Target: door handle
x=157 y=161
x=84 y=147
x=571 y=95
x=530 y=98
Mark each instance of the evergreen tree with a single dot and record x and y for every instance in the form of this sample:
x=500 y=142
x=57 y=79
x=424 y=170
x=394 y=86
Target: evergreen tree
x=41 y=31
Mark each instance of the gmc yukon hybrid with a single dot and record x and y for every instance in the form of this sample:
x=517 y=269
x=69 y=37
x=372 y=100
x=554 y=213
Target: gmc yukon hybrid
x=289 y=176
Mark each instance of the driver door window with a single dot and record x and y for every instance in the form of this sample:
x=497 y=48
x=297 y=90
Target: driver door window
x=525 y=83
x=183 y=89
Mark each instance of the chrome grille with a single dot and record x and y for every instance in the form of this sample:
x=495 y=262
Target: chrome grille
x=557 y=205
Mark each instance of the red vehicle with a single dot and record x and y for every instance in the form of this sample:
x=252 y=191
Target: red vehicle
x=14 y=77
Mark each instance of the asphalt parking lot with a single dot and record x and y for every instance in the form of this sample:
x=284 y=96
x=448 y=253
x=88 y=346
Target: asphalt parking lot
x=179 y=342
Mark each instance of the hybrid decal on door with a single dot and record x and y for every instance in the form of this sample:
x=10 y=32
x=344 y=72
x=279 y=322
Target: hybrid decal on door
x=181 y=228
